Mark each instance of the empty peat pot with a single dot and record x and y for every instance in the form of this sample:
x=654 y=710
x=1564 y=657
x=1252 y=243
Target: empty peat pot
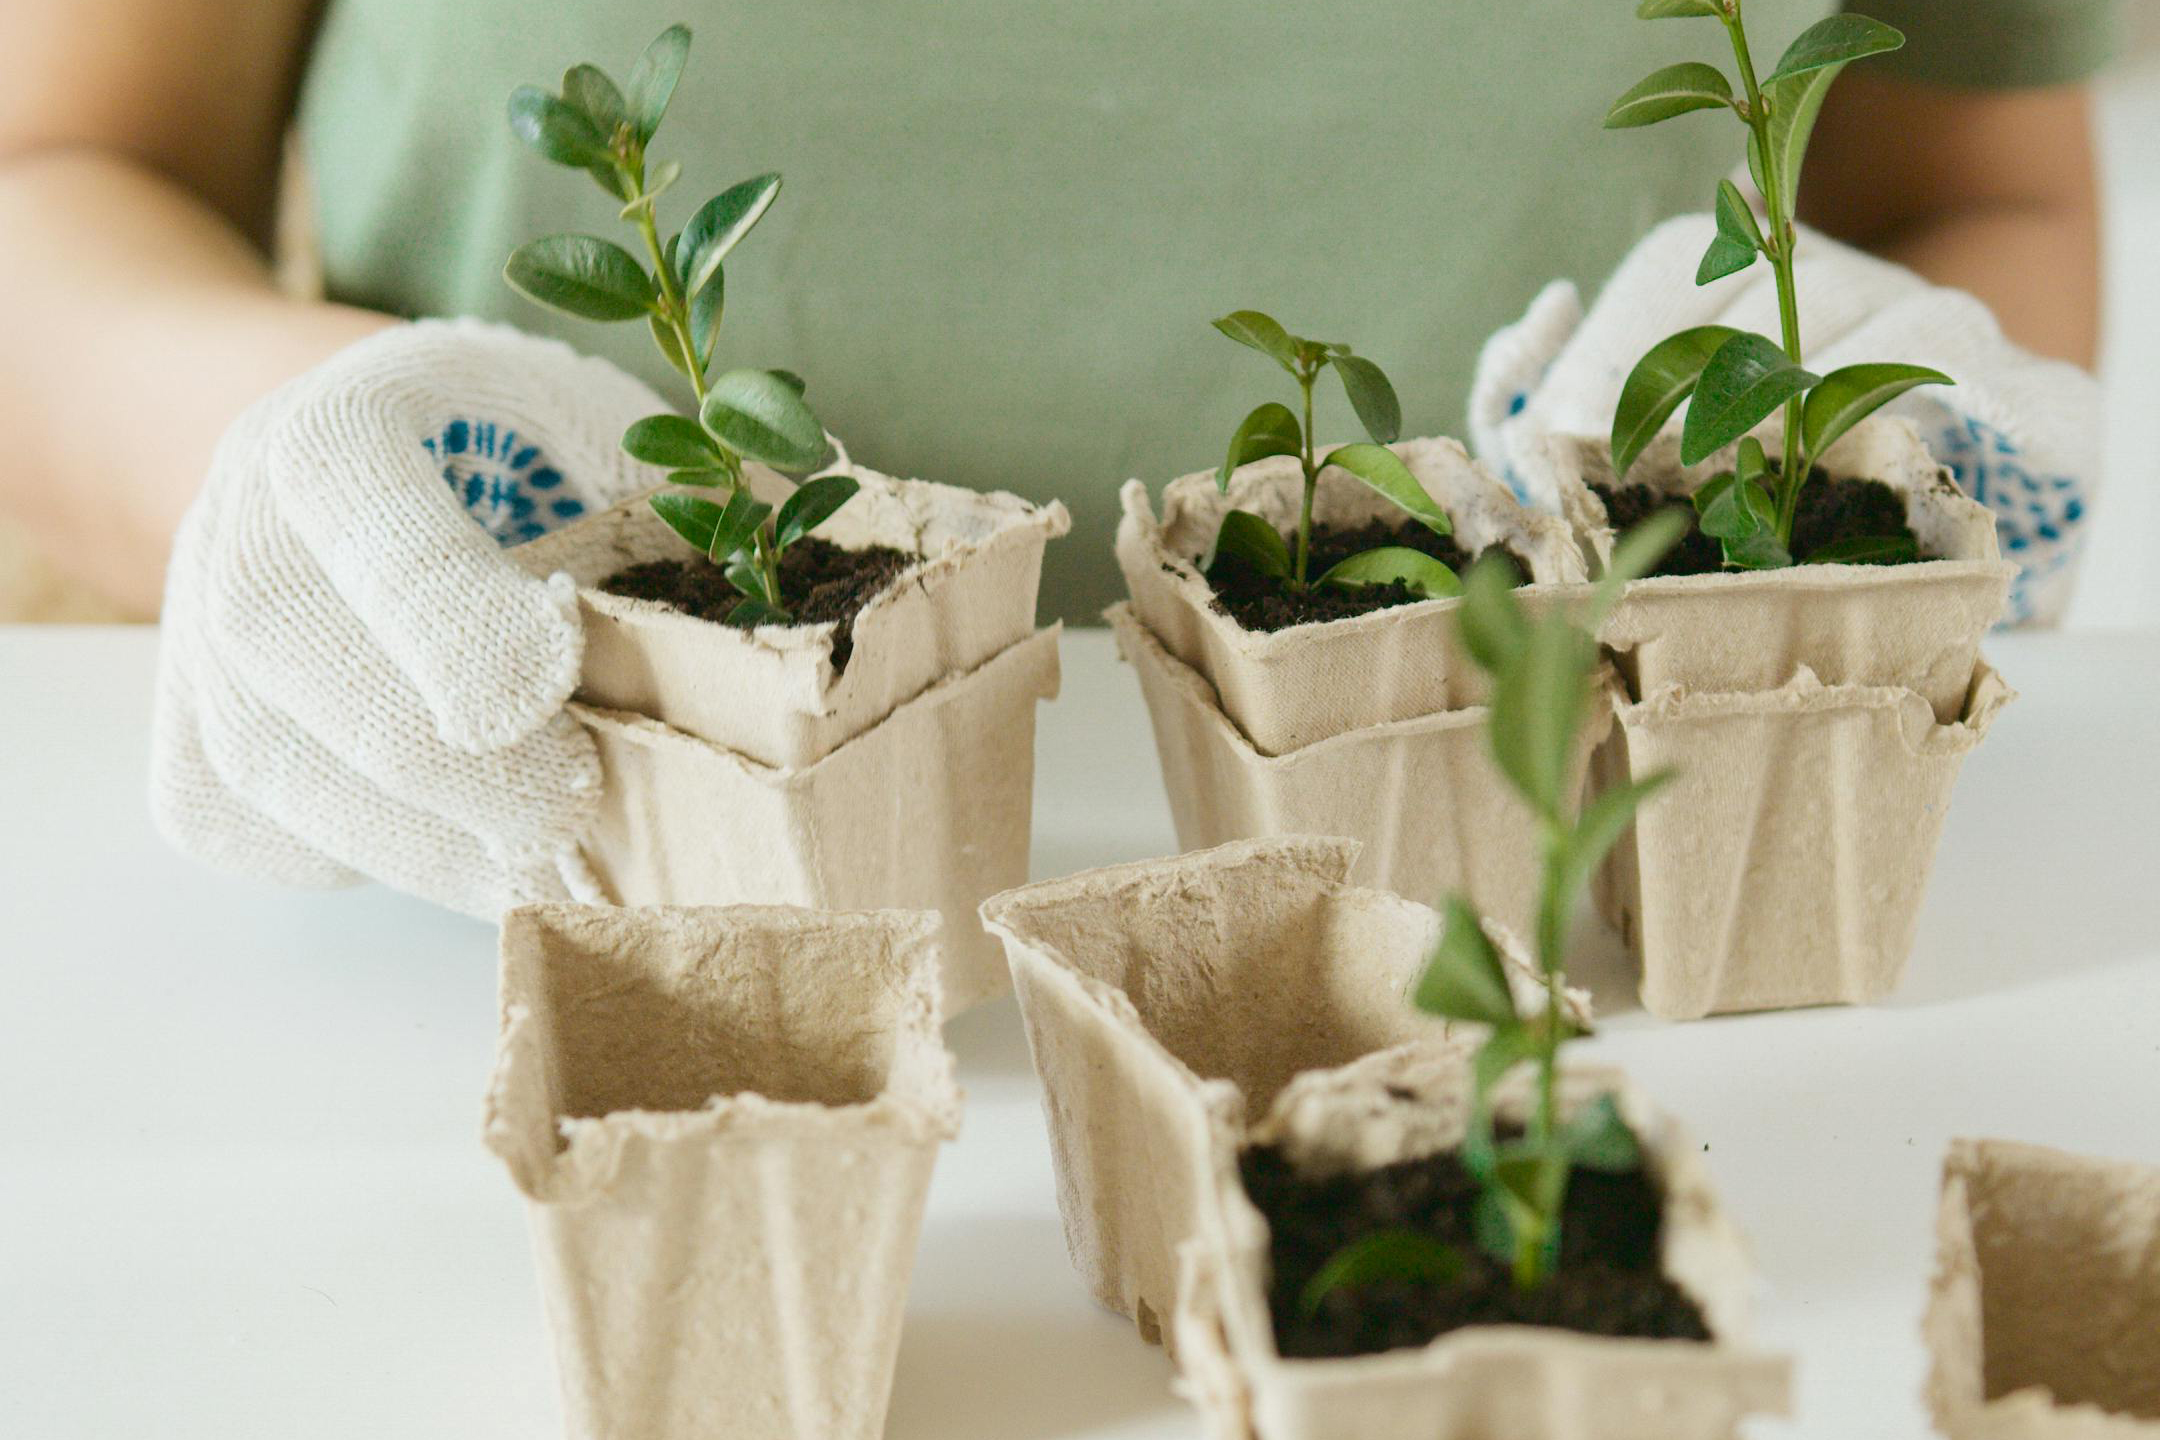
x=723 y=1121
x=2044 y=1319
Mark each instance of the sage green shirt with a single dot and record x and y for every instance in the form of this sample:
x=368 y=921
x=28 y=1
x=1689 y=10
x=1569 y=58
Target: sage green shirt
x=1006 y=224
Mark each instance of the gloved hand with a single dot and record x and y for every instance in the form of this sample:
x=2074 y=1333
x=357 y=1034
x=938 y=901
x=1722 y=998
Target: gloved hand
x=355 y=679
x=2020 y=433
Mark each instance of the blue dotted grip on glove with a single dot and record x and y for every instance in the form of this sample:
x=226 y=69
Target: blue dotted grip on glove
x=504 y=481
x=2039 y=517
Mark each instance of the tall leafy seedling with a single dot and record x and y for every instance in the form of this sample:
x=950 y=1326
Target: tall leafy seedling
x=679 y=290
x=1738 y=378
x=1543 y=669
x=1273 y=429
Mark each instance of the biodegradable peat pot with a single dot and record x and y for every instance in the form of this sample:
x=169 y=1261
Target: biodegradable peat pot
x=928 y=808
x=1518 y=1381
x=1423 y=796
x=724 y=1122
x=1288 y=688
x=1785 y=863
x=772 y=694
x=2044 y=1318
x=1915 y=626
x=1162 y=998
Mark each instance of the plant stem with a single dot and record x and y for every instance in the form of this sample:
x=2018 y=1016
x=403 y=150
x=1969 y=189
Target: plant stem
x=1312 y=480
x=675 y=313
x=1779 y=252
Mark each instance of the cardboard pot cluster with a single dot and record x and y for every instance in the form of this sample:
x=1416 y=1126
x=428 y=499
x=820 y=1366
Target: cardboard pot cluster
x=723 y=1121
x=1523 y=1382
x=1369 y=727
x=1817 y=716
x=2043 y=1321
x=1181 y=1010
x=748 y=766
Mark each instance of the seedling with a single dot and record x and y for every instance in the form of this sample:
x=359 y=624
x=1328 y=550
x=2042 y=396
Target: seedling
x=1542 y=672
x=1739 y=379
x=1272 y=429
x=741 y=414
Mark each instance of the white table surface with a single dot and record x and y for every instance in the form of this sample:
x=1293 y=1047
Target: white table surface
x=242 y=1192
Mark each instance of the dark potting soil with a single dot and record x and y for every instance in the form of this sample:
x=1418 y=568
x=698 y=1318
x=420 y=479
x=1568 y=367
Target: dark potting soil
x=1259 y=601
x=1830 y=510
x=819 y=582
x=1607 y=1281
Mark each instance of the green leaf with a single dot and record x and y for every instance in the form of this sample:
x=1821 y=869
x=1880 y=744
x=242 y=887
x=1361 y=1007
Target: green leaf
x=1664 y=377
x=1492 y=1226
x=758 y=415
x=1382 y=469
x=692 y=518
x=1848 y=395
x=1596 y=1138
x=1599 y=827
x=588 y=88
x=1721 y=258
x=739 y=521
x=1674 y=9
x=663 y=335
x=583 y=275
x=1741 y=516
x=1251 y=539
x=1634 y=555
x=1749 y=462
x=703 y=477
x=720 y=225
x=652 y=82
x=1794 y=104
x=1371 y=396
x=1402 y=1255
x=705 y=310
x=792 y=380
x=1537 y=704
x=1395 y=564
x=1744 y=382
x=1493 y=627
x=1463 y=978
x=810 y=506
x=1674 y=90
x=613 y=181
x=1263 y=333
x=557 y=129
x=1270 y=430
x=673 y=441
x=1735 y=217
x=1867 y=550
x=1837 y=40
x=753 y=612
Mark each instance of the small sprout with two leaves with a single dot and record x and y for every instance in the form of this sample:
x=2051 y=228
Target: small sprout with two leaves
x=1273 y=429
x=1542 y=671
x=742 y=415
x=1738 y=378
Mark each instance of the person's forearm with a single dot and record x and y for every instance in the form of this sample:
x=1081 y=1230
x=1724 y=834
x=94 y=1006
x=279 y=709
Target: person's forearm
x=139 y=324
x=2037 y=268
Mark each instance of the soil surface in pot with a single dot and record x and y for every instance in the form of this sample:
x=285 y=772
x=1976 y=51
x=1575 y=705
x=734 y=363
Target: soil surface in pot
x=1607 y=1282
x=819 y=582
x=1830 y=510
x=1259 y=601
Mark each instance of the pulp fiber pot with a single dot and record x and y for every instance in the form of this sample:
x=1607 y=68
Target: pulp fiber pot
x=1162 y=998
x=1286 y=689
x=724 y=1122
x=1423 y=796
x=775 y=695
x=1916 y=626
x=928 y=808
x=1785 y=863
x=1522 y=1382
x=2044 y=1319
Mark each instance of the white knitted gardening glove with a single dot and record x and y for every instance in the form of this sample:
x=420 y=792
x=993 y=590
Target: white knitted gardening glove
x=2020 y=433
x=356 y=681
